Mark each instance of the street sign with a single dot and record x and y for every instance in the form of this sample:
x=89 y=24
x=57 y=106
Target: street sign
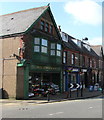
x=77 y=85
x=71 y=85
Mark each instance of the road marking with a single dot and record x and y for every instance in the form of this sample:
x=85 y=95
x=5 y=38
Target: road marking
x=90 y=107
x=56 y=113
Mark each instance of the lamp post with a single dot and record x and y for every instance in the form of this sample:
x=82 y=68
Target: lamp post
x=102 y=70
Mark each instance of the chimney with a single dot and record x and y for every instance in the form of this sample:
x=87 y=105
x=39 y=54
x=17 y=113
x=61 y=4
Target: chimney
x=59 y=28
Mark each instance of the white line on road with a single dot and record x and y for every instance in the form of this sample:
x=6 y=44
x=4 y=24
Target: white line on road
x=56 y=113
x=90 y=107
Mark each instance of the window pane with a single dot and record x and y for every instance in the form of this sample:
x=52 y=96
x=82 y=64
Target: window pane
x=52 y=45
x=44 y=49
x=44 y=42
x=37 y=41
x=58 y=47
x=42 y=25
x=64 y=54
x=64 y=60
x=58 y=53
x=47 y=27
x=52 y=52
x=51 y=29
x=36 y=48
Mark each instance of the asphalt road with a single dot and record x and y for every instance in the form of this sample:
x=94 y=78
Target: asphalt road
x=88 y=108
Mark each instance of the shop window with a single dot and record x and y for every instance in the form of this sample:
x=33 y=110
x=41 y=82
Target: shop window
x=47 y=27
x=73 y=58
x=42 y=25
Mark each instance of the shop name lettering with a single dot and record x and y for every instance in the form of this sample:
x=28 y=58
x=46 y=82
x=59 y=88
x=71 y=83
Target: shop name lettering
x=72 y=70
x=46 y=67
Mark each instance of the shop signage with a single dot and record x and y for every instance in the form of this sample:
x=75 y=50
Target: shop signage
x=75 y=70
x=44 y=68
x=84 y=70
x=70 y=69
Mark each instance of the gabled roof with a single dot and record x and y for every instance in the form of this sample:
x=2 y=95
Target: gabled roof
x=21 y=21
x=97 y=49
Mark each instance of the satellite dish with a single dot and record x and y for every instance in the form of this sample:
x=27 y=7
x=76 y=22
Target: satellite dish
x=85 y=39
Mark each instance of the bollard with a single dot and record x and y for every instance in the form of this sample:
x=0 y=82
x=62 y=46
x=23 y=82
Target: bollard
x=48 y=96
x=81 y=92
x=77 y=92
x=70 y=92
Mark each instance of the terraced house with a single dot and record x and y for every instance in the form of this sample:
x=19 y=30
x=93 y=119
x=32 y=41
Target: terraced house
x=30 y=52
x=81 y=64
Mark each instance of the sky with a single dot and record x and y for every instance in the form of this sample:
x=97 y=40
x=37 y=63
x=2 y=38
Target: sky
x=78 y=18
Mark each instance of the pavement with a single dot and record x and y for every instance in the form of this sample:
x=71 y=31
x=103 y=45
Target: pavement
x=55 y=98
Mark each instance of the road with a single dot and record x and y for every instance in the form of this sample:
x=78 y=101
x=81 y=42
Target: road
x=87 y=108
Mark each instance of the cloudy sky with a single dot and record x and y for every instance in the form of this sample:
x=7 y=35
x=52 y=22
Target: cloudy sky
x=78 y=18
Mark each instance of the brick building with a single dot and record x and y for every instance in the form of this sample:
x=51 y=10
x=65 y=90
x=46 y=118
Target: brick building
x=30 y=51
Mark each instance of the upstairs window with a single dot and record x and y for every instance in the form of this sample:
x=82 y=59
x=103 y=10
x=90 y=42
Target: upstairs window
x=36 y=44
x=83 y=60
x=42 y=25
x=47 y=27
x=58 y=50
x=52 y=52
x=51 y=29
x=40 y=45
x=64 y=57
x=44 y=46
x=88 y=62
x=73 y=59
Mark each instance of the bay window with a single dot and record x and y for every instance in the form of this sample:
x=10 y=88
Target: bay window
x=52 y=49
x=40 y=45
x=58 y=50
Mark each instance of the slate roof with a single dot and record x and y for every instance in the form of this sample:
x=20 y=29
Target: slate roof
x=73 y=46
x=19 y=22
x=97 y=49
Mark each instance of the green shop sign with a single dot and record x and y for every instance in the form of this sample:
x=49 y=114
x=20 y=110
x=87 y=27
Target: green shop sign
x=45 y=68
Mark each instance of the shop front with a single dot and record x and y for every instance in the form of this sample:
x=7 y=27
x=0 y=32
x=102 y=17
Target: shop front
x=43 y=77
x=71 y=76
x=84 y=77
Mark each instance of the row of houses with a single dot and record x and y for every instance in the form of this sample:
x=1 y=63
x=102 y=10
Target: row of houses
x=34 y=50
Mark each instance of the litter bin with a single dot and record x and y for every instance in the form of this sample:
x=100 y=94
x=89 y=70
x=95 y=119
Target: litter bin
x=96 y=86
x=91 y=88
